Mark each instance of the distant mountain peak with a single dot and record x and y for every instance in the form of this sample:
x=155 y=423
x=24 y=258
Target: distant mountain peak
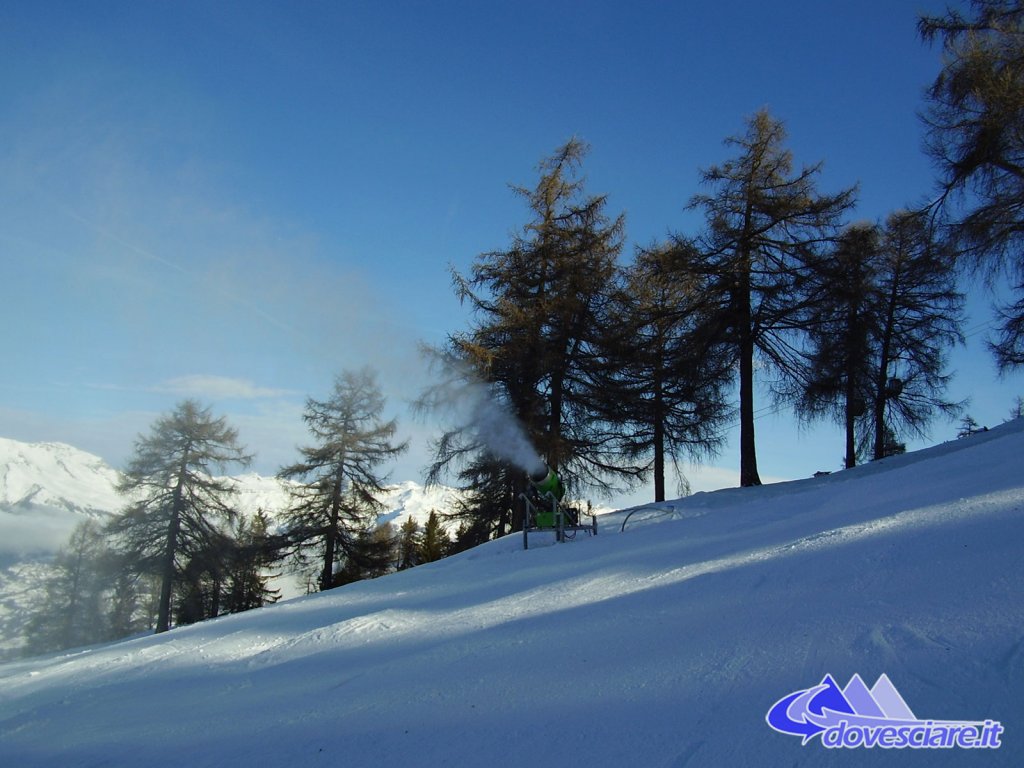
x=47 y=477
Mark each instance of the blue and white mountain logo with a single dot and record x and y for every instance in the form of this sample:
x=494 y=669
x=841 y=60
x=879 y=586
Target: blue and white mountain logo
x=856 y=716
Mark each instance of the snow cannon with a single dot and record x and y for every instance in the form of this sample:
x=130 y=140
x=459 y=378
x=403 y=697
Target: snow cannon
x=546 y=481
x=544 y=511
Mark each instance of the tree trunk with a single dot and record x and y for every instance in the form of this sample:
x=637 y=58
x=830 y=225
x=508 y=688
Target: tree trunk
x=748 y=451
x=72 y=609
x=851 y=355
x=330 y=543
x=851 y=443
x=331 y=540
x=882 y=379
x=744 y=322
x=215 y=596
x=659 y=437
x=554 y=452
x=163 y=618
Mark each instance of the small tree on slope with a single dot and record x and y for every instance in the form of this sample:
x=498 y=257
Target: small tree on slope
x=336 y=499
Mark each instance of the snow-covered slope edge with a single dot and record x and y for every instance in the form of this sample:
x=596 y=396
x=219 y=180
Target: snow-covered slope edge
x=662 y=646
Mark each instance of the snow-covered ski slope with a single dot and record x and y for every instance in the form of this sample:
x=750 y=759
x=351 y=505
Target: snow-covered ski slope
x=664 y=645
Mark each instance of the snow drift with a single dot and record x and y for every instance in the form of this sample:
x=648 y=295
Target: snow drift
x=664 y=645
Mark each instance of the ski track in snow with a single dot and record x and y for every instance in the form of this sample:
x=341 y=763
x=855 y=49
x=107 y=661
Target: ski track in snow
x=662 y=646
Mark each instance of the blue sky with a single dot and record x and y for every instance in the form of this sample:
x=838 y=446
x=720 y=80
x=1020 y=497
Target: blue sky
x=235 y=201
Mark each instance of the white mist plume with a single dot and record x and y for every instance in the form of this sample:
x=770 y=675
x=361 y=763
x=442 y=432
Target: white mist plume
x=472 y=406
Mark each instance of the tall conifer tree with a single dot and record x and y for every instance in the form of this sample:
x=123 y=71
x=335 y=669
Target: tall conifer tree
x=669 y=375
x=841 y=320
x=975 y=132
x=539 y=308
x=764 y=223
x=884 y=313
x=919 y=315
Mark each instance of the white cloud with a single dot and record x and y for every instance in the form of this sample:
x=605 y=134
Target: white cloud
x=218 y=388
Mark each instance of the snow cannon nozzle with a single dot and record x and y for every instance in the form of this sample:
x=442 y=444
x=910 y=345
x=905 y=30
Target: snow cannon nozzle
x=539 y=473
x=546 y=481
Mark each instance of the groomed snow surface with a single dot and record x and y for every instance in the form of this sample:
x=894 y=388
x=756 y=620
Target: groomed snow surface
x=664 y=645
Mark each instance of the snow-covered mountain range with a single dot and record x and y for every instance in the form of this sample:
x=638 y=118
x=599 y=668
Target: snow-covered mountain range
x=667 y=644
x=46 y=489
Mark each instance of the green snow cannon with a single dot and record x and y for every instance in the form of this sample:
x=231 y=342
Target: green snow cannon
x=547 y=485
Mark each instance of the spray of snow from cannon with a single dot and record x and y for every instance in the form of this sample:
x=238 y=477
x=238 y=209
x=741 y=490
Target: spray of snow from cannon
x=500 y=431
x=471 y=405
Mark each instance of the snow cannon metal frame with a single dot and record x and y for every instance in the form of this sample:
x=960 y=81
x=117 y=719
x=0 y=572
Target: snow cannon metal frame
x=543 y=509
